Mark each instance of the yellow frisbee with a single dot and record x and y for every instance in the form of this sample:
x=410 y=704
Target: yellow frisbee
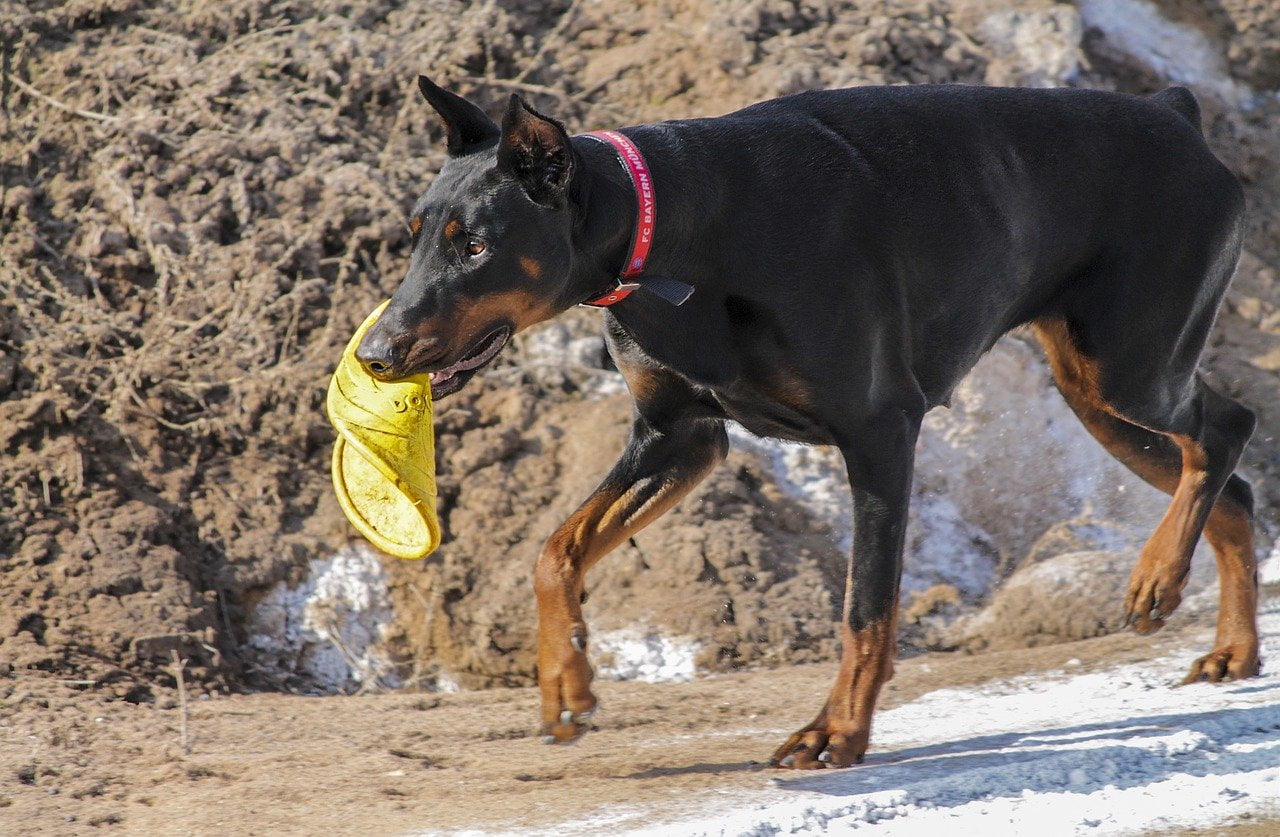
x=384 y=464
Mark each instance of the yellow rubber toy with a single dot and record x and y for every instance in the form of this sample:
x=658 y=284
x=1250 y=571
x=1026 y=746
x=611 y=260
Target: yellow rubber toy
x=384 y=463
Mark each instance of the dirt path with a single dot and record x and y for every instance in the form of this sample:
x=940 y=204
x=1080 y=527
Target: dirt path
x=272 y=763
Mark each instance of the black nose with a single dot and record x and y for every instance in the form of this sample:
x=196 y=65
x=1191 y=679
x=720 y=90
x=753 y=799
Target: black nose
x=376 y=353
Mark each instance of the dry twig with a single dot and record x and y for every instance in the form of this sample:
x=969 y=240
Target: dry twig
x=178 y=665
x=62 y=106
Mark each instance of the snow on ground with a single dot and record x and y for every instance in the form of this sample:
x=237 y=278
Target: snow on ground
x=815 y=477
x=328 y=630
x=1175 y=52
x=1114 y=752
x=644 y=655
x=1269 y=569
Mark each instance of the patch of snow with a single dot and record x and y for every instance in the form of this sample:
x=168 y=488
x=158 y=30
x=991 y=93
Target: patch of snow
x=1016 y=461
x=1178 y=53
x=329 y=629
x=557 y=343
x=644 y=655
x=1269 y=569
x=943 y=547
x=1043 y=45
x=813 y=476
x=445 y=683
x=561 y=344
x=1049 y=754
x=1008 y=461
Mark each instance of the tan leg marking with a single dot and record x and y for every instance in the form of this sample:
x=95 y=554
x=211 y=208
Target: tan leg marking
x=838 y=737
x=605 y=520
x=1161 y=570
x=1235 y=651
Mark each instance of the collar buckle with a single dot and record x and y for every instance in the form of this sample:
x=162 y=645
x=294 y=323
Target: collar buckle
x=618 y=294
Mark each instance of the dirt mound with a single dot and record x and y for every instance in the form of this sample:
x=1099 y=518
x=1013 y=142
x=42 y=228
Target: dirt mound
x=1066 y=597
x=198 y=203
x=191 y=228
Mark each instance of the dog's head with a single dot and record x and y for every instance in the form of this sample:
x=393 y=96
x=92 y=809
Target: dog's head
x=491 y=246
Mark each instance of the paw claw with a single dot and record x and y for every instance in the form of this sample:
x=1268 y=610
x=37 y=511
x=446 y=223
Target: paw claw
x=824 y=756
x=548 y=739
x=1225 y=663
x=789 y=761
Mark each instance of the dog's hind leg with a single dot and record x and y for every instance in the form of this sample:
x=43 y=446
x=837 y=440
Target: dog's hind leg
x=1194 y=464
x=879 y=457
x=667 y=455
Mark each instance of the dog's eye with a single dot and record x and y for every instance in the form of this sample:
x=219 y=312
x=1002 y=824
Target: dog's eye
x=475 y=246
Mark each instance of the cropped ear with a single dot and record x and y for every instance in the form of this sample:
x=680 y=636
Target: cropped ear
x=465 y=125
x=535 y=150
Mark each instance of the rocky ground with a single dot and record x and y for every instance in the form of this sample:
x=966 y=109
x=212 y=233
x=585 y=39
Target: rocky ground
x=199 y=202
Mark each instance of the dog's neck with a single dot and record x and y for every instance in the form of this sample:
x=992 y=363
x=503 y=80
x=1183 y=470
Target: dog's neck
x=605 y=203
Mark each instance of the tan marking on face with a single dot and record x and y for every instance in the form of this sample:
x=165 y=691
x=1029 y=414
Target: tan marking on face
x=415 y=224
x=531 y=267
x=476 y=317
x=452 y=228
x=522 y=308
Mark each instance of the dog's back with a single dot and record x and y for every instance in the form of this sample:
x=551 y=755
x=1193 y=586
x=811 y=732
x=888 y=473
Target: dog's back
x=958 y=204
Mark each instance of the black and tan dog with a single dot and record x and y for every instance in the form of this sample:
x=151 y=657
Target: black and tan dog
x=852 y=253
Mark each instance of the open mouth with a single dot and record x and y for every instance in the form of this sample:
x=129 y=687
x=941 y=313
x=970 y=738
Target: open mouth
x=450 y=379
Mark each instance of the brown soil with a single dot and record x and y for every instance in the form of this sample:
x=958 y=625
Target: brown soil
x=271 y=763
x=199 y=202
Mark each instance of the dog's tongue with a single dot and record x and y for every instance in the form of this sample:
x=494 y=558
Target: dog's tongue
x=495 y=341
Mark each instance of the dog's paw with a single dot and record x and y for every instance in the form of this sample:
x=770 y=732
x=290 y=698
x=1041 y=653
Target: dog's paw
x=568 y=728
x=1228 y=662
x=567 y=700
x=814 y=748
x=1155 y=591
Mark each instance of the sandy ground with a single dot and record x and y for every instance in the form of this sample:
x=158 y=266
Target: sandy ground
x=413 y=763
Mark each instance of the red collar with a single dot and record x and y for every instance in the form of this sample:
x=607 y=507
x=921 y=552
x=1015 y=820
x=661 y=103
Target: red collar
x=646 y=214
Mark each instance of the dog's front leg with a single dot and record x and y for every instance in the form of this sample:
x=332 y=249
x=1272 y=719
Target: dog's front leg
x=879 y=462
x=662 y=462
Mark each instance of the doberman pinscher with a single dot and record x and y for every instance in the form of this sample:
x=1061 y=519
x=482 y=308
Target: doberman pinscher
x=852 y=253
